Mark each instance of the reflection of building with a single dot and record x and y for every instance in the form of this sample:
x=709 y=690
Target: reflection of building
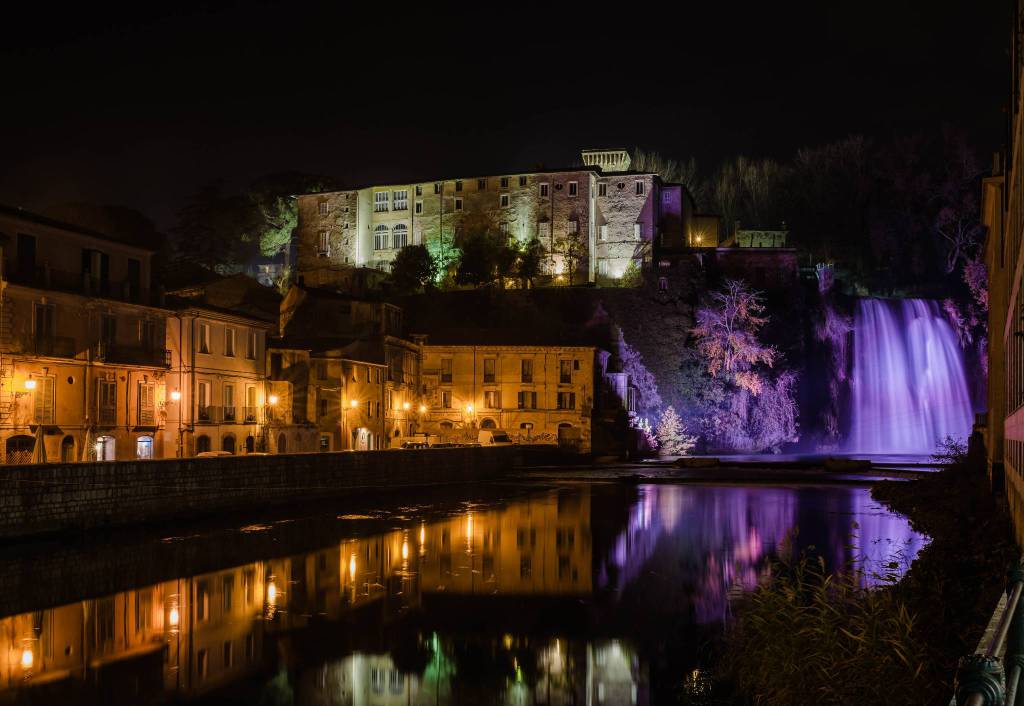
x=539 y=394
x=611 y=213
x=82 y=356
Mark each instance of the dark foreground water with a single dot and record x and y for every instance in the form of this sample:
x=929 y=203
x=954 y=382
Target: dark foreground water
x=583 y=594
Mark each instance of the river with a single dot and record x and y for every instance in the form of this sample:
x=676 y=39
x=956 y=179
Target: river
x=575 y=593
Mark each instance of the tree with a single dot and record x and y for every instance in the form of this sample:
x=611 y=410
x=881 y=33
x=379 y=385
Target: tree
x=673 y=171
x=215 y=230
x=573 y=251
x=272 y=195
x=672 y=438
x=478 y=263
x=413 y=269
x=529 y=266
x=726 y=334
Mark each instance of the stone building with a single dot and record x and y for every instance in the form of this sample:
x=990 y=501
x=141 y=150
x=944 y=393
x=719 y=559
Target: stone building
x=83 y=364
x=610 y=215
x=539 y=394
x=217 y=382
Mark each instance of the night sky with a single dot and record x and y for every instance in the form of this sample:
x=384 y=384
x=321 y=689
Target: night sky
x=142 y=109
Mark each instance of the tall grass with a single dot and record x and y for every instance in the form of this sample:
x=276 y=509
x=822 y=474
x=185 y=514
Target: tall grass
x=807 y=636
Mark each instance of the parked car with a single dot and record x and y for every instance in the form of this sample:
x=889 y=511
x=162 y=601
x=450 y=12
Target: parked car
x=207 y=454
x=494 y=437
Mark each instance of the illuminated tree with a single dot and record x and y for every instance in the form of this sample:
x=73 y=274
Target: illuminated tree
x=672 y=437
x=413 y=269
x=530 y=259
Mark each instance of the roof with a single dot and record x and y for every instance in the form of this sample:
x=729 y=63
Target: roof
x=39 y=219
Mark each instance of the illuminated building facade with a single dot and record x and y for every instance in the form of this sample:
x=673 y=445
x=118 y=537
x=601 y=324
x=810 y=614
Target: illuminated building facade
x=83 y=363
x=539 y=394
x=614 y=216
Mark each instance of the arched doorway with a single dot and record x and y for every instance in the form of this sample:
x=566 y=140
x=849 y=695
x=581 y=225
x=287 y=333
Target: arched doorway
x=202 y=444
x=144 y=447
x=488 y=424
x=228 y=443
x=250 y=444
x=67 y=449
x=19 y=449
x=282 y=444
x=106 y=448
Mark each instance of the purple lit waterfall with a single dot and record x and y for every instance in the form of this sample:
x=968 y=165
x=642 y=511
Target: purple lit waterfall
x=909 y=389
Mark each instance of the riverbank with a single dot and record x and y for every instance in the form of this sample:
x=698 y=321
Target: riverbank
x=904 y=638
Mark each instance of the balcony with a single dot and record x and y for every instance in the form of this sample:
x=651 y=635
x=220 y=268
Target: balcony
x=43 y=277
x=209 y=414
x=131 y=355
x=53 y=346
x=230 y=414
x=250 y=415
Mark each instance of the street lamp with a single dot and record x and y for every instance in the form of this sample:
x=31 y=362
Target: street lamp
x=272 y=400
x=30 y=384
x=175 y=395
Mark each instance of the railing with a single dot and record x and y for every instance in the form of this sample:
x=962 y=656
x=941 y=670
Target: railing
x=981 y=680
x=45 y=277
x=250 y=415
x=54 y=346
x=208 y=414
x=133 y=355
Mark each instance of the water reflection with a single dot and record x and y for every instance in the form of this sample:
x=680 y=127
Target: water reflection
x=525 y=602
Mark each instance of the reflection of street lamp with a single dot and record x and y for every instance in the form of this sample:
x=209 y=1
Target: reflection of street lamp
x=406 y=406
x=469 y=409
x=423 y=409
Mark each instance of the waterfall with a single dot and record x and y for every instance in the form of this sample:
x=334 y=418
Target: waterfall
x=908 y=388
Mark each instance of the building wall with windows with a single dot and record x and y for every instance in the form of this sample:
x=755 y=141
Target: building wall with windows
x=539 y=394
x=615 y=215
x=348 y=397
x=82 y=357
x=218 y=368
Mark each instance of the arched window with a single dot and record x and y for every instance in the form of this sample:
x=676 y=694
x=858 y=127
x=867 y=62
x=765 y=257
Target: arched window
x=202 y=444
x=144 y=447
x=488 y=424
x=282 y=444
x=380 y=237
x=228 y=443
x=105 y=448
x=250 y=444
x=400 y=236
x=67 y=450
x=19 y=449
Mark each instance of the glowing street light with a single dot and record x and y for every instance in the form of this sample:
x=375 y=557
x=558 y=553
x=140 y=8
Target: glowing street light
x=173 y=617
x=272 y=399
x=175 y=395
x=406 y=406
x=30 y=384
x=353 y=403
x=27 y=658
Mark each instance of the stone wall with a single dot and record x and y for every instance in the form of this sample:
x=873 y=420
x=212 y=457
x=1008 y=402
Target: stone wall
x=36 y=500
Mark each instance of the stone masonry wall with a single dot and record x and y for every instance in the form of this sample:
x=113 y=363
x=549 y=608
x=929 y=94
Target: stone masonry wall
x=54 y=498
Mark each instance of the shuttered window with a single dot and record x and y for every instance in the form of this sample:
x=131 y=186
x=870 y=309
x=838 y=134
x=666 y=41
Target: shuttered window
x=147 y=405
x=107 y=399
x=44 y=400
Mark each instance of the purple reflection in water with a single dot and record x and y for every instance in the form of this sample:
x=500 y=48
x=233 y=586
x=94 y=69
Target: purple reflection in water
x=716 y=541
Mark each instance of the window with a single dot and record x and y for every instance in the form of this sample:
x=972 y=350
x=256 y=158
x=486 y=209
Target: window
x=43 y=400
x=602 y=189
x=567 y=400
x=572 y=227
x=147 y=335
x=544 y=229
x=229 y=654
x=489 y=367
x=663 y=284
x=419 y=207
x=522 y=181
x=107 y=400
x=108 y=329
x=202 y=659
x=322 y=411
x=250 y=345
x=639 y=187
x=203 y=399
x=229 y=342
x=604 y=232
x=229 y=402
x=45 y=322
x=323 y=246
x=504 y=200
x=446 y=399
x=602 y=268
x=527 y=399
x=437 y=188
x=380 y=237
x=637 y=231
x=481 y=184
x=504 y=182
x=202 y=444
x=446 y=370
x=574 y=188
x=204 y=337
x=147 y=404
x=458 y=204
x=543 y=190
x=400 y=236
x=380 y=201
x=321 y=370
x=503 y=229
x=250 y=404
x=526 y=370
x=419 y=189
x=325 y=208
x=458 y=185
x=565 y=372
x=144 y=447
x=400 y=200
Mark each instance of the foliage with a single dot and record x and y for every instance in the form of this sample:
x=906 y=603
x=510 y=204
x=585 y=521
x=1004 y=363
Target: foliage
x=805 y=636
x=216 y=230
x=950 y=450
x=530 y=260
x=632 y=277
x=650 y=438
x=574 y=252
x=773 y=414
x=672 y=436
x=632 y=363
x=413 y=269
x=726 y=334
x=673 y=171
x=484 y=258
x=976 y=279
